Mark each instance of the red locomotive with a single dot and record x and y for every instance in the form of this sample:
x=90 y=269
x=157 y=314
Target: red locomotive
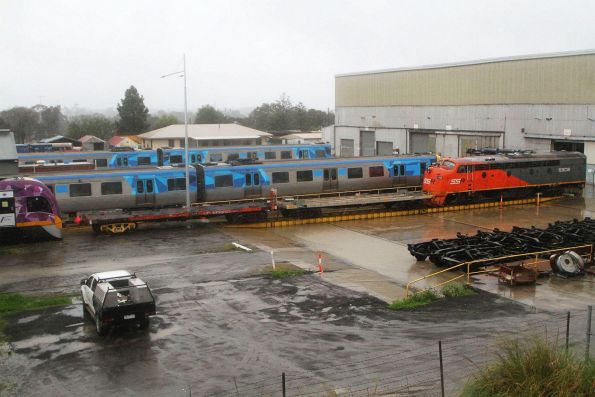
x=457 y=180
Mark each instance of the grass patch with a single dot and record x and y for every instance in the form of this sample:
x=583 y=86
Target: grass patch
x=284 y=273
x=17 y=302
x=456 y=289
x=13 y=303
x=533 y=368
x=415 y=300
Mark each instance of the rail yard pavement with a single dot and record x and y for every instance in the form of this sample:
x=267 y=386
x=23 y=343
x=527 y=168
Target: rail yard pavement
x=224 y=326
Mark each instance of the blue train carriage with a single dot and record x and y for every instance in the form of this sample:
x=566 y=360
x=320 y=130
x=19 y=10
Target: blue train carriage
x=163 y=157
x=120 y=189
x=227 y=182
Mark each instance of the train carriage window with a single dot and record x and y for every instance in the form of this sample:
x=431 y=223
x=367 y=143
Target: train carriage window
x=376 y=171
x=256 y=179
x=150 y=185
x=176 y=159
x=224 y=181
x=38 y=204
x=119 y=161
x=216 y=157
x=173 y=184
x=248 y=180
x=193 y=158
x=285 y=154
x=320 y=154
x=233 y=156
x=125 y=161
x=304 y=176
x=80 y=189
x=252 y=155
x=111 y=188
x=79 y=161
x=353 y=173
x=280 y=177
x=100 y=162
x=144 y=160
x=270 y=155
x=140 y=187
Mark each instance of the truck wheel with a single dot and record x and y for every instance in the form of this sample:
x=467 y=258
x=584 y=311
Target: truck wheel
x=100 y=327
x=144 y=324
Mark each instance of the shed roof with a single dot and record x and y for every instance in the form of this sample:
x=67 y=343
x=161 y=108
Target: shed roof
x=205 y=131
x=304 y=135
x=90 y=138
x=59 y=139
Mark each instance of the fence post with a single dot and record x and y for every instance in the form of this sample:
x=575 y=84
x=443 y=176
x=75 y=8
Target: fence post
x=283 y=382
x=567 y=329
x=441 y=368
x=588 y=347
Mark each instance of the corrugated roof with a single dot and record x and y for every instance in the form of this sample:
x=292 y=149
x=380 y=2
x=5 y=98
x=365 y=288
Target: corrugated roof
x=90 y=138
x=205 y=131
x=303 y=135
x=476 y=62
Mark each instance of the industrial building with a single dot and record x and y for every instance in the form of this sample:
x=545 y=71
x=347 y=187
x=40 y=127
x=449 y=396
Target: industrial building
x=538 y=102
x=202 y=135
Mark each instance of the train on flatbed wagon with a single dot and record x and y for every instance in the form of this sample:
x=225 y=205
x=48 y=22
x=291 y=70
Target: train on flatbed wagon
x=162 y=157
x=160 y=187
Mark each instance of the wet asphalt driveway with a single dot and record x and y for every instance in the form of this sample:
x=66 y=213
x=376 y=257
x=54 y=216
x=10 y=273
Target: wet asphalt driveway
x=222 y=325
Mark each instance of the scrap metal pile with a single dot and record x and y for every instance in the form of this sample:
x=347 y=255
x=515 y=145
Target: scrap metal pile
x=485 y=245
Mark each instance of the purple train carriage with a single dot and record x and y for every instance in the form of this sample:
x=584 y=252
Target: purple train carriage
x=28 y=207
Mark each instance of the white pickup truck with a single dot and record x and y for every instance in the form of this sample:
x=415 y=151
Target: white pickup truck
x=117 y=297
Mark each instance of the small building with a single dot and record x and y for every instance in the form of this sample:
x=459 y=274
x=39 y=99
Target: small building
x=204 y=135
x=300 y=138
x=91 y=142
x=8 y=154
x=119 y=141
x=61 y=139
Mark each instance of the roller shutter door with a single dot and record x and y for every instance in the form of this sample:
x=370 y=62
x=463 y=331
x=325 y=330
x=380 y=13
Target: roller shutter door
x=346 y=149
x=384 y=148
x=422 y=143
x=367 y=143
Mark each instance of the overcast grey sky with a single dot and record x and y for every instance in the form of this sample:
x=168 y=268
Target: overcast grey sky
x=244 y=53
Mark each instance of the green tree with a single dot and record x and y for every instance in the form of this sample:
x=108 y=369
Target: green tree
x=23 y=123
x=163 y=120
x=209 y=115
x=133 y=113
x=97 y=124
x=51 y=121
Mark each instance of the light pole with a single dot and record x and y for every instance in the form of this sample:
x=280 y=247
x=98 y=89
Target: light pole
x=186 y=157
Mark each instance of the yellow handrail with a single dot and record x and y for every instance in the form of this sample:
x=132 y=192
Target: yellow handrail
x=468 y=273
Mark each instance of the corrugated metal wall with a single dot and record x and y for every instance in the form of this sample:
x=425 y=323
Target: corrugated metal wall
x=556 y=80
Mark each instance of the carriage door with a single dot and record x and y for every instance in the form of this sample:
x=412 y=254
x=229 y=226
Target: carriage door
x=145 y=191
x=422 y=171
x=330 y=181
x=399 y=178
x=252 y=187
x=303 y=153
x=7 y=209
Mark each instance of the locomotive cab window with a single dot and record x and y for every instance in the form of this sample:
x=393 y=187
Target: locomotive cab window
x=280 y=177
x=111 y=188
x=285 y=154
x=464 y=169
x=353 y=173
x=80 y=189
x=304 y=176
x=270 y=155
x=38 y=204
x=376 y=171
x=223 y=181
x=176 y=184
x=447 y=165
x=144 y=160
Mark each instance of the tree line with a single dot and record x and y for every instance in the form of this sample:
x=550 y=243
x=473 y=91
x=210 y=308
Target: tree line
x=40 y=121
